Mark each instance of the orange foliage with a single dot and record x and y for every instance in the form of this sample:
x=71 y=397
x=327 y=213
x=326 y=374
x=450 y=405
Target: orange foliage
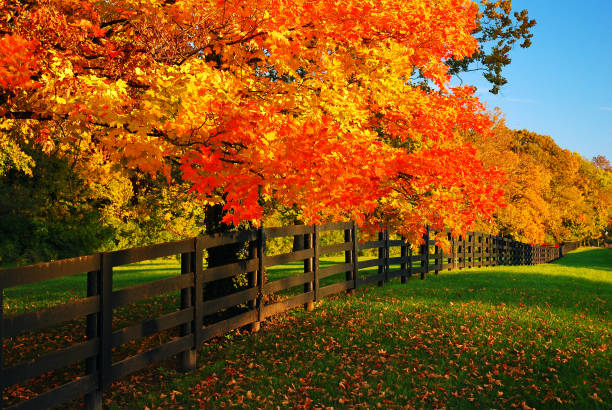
x=308 y=104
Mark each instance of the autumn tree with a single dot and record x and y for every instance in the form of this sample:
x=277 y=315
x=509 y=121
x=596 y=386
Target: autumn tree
x=552 y=195
x=307 y=105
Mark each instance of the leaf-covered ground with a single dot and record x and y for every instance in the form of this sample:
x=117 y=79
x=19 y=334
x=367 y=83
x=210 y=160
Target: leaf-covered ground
x=503 y=337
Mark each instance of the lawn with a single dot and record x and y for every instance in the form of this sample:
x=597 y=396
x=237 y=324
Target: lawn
x=498 y=337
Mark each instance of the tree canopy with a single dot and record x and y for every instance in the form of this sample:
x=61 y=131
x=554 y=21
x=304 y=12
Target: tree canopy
x=308 y=105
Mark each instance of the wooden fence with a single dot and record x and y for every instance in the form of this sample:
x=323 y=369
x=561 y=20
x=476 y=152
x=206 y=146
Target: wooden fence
x=95 y=351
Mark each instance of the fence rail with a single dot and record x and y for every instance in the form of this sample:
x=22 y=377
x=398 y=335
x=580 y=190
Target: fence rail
x=252 y=303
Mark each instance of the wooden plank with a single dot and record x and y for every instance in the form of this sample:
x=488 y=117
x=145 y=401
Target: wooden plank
x=370 y=263
x=150 y=327
x=316 y=245
x=105 y=322
x=144 y=359
x=348 y=257
x=133 y=255
x=93 y=399
x=288 y=282
x=292 y=230
x=50 y=361
x=31 y=321
x=397 y=272
x=396 y=242
x=225 y=326
x=10 y=277
x=3 y=382
x=355 y=256
x=365 y=280
x=399 y=259
x=148 y=290
x=288 y=257
x=59 y=395
x=287 y=304
x=337 y=247
x=227 y=238
x=417 y=258
x=335 y=288
x=334 y=270
x=197 y=296
x=335 y=226
x=371 y=245
x=230 y=270
x=237 y=298
x=187 y=360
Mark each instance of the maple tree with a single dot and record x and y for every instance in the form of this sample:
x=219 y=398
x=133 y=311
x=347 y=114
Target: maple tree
x=303 y=104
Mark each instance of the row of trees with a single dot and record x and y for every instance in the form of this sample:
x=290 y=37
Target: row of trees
x=163 y=118
x=551 y=195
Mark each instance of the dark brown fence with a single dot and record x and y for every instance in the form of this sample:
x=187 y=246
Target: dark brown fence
x=194 y=319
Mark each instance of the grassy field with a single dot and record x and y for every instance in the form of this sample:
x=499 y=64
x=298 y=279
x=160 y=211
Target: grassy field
x=499 y=337
x=532 y=336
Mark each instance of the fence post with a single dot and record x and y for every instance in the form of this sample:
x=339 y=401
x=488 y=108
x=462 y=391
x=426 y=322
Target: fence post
x=355 y=256
x=425 y=254
x=404 y=265
x=387 y=255
x=197 y=296
x=93 y=400
x=188 y=357
x=105 y=320
x=2 y=381
x=316 y=241
x=261 y=248
x=308 y=267
x=381 y=257
x=348 y=259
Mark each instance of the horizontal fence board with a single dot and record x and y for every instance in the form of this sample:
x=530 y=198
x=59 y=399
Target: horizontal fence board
x=229 y=270
x=335 y=288
x=50 y=361
x=220 y=328
x=150 y=327
x=364 y=280
x=213 y=306
x=397 y=272
x=227 y=238
x=144 y=359
x=371 y=245
x=335 y=226
x=290 y=303
x=31 y=321
x=399 y=259
x=59 y=395
x=335 y=269
x=286 y=283
x=133 y=255
x=292 y=230
x=337 y=247
x=370 y=263
x=397 y=242
x=147 y=290
x=51 y=270
x=288 y=257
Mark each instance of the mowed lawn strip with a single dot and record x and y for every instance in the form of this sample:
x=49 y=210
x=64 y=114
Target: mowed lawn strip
x=502 y=337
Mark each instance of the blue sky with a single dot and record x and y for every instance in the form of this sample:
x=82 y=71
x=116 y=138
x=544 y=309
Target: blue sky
x=562 y=85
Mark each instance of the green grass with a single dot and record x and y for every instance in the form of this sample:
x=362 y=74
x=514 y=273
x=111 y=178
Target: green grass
x=497 y=337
